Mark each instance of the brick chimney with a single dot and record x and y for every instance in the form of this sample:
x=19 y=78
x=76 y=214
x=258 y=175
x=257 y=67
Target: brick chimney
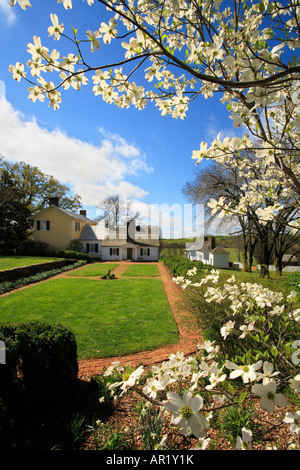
x=54 y=201
x=212 y=243
x=83 y=212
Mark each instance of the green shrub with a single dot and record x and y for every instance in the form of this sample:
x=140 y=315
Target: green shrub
x=179 y=266
x=35 y=248
x=41 y=364
x=73 y=255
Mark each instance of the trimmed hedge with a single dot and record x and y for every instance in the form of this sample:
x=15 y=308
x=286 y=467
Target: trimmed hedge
x=179 y=265
x=14 y=274
x=41 y=364
x=20 y=282
x=73 y=255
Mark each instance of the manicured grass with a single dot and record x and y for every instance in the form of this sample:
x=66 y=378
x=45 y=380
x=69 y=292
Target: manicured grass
x=9 y=262
x=108 y=318
x=95 y=269
x=140 y=270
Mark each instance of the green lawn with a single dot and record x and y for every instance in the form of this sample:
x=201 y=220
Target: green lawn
x=140 y=270
x=95 y=269
x=108 y=318
x=9 y=262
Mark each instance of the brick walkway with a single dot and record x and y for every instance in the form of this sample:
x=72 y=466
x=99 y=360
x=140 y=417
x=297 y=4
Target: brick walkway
x=189 y=336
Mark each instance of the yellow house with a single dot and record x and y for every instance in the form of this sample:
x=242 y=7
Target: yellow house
x=57 y=226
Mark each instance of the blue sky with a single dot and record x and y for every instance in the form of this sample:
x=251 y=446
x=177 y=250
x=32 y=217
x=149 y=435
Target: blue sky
x=94 y=147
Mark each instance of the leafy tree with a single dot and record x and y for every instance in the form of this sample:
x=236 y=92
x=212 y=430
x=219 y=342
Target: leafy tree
x=35 y=187
x=15 y=217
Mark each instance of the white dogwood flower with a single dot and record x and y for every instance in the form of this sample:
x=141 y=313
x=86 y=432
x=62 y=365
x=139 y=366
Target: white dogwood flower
x=56 y=28
x=186 y=413
x=294 y=422
x=269 y=395
x=244 y=442
x=247 y=372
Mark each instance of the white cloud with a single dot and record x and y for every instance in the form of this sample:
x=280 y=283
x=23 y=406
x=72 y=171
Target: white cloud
x=92 y=171
x=7 y=13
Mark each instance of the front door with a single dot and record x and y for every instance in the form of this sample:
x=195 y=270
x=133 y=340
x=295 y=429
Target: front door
x=129 y=253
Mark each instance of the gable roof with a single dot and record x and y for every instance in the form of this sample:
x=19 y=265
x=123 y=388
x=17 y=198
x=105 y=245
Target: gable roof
x=116 y=237
x=73 y=215
x=117 y=242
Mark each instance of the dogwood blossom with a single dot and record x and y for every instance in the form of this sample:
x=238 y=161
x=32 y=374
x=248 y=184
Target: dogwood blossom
x=244 y=442
x=247 y=372
x=186 y=413
x=295 y=383
x=269 y=395
x=227 y=328
x=109 y=30
x=201 y=444
x=293 y=419
x=56 y=29
x=23 y=3
x=17 y=71
x=268 y=373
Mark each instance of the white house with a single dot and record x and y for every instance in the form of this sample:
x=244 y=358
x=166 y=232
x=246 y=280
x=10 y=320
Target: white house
x=208 y=253
x=128 y=242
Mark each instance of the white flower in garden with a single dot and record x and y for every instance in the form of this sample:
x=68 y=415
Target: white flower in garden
x=56 y=28
x=192 y=272
x=201 y=444
x=210 y=348
x=246 y=329
x=244 y=442
x=227 y=328
x=153 y=385
x=115 y=367
x=186 y=413
x=294 y=421
x=267 y=373
x=269 y=395
x=215 y=377
x=296 y=314
x=247 y=372
x=295 y=383
x=131 y=380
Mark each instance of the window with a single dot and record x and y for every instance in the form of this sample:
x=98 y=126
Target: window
x=145 y=251
x=43 y=225
x=92 y=248
x=77 y=226
x=114 y=251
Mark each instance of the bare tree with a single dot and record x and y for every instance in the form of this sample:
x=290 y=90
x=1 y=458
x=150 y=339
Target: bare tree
x=116 y=210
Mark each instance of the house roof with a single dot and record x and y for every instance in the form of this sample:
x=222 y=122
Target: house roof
x=73 y=215
x=116 y=237
x=118 y=242
x=198 y=247
x=220 y=250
